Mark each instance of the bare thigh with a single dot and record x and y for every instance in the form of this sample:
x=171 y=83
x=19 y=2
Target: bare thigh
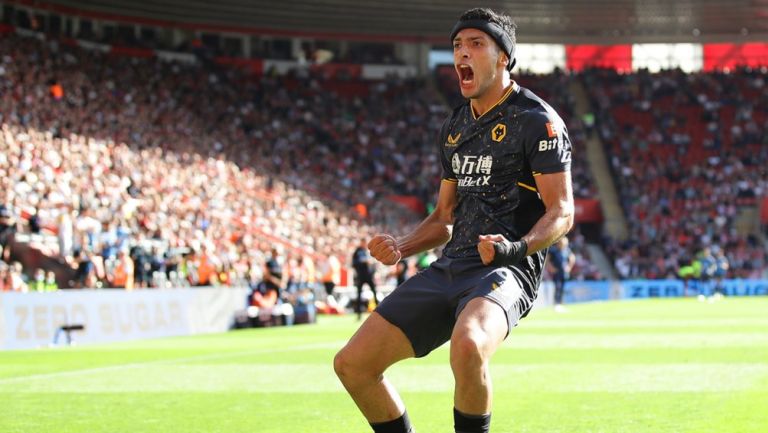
x=483 y=321
x=376 y=345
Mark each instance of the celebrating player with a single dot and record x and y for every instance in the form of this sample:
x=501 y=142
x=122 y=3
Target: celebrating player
x=505 y=197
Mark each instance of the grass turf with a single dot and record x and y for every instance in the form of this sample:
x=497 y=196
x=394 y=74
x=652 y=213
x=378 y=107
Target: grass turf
x=673 y=365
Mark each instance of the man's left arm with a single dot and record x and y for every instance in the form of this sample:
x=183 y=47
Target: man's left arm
x=556 y=193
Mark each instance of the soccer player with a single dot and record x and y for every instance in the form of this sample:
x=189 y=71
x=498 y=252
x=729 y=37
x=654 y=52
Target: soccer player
x=561 y=263
x=721 y=271
x=363 y=264
x=504 y=198
x=707 y=266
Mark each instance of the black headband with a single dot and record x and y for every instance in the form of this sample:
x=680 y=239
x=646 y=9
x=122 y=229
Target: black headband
x=493 y=30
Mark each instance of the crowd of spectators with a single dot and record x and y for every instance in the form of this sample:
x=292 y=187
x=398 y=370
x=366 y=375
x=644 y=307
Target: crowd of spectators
x=184 y=124
x=171 y=213
x=153 y=173
x=12 y=276
x=181 y=163
x=688 y=152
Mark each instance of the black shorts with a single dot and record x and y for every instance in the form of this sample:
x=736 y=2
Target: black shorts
x=425 y=307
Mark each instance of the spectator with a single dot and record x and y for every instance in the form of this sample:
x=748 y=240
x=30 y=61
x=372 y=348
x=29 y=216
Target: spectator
x=7 y=230
x=274 y=277
x=123 y=274
x=50 y=282
x=18 y=281
x=6 y=284
x=38 y=282
x=330 y=270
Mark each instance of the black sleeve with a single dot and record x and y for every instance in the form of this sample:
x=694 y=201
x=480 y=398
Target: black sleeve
x=441 y=140
x=547 y=146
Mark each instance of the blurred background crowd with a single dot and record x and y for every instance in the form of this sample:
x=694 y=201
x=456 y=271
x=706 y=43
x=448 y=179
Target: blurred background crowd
x=138 y=172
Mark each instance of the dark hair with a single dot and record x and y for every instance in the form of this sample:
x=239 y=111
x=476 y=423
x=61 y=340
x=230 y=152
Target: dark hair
x=500 y=19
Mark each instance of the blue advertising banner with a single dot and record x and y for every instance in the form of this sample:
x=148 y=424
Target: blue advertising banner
x=636 y=289
x=585 y=291
x=654 y=288
x=745 y=287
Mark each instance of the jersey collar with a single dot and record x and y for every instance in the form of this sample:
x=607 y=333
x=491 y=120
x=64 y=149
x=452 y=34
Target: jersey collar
x=512 y=89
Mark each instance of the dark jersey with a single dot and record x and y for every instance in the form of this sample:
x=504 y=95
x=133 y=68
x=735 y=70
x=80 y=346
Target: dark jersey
x=275 y=270
x=361 y=261
x=494 y=160
x=559 y=259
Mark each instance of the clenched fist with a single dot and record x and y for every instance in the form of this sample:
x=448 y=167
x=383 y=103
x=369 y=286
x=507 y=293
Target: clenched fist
x=498 y=251
x=486 y=248
x=383 y=248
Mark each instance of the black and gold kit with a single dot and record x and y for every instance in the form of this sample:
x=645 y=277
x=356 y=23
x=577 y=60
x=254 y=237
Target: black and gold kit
x=494 y=160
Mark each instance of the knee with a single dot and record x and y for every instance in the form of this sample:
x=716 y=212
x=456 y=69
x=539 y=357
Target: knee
x=348 y=368
x=341 y=364
x=468 y=350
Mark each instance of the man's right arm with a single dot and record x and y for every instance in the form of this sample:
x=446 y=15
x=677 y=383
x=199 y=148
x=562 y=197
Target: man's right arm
x=434 y=231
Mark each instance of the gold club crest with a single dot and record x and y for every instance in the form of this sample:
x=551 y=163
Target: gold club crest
x=499 y=132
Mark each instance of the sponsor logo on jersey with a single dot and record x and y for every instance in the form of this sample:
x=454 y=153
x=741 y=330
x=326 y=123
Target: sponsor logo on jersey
x=472 y=170
x=545 y=145
x=469 y=182
x=551 y=130
x=452 y=140
x=499 y=132
x=554 y=143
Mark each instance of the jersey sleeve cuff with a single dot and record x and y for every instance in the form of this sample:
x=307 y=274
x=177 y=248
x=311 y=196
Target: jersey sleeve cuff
x=551 y=170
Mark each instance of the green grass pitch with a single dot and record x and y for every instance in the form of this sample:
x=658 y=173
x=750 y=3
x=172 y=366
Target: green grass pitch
x=674 y=365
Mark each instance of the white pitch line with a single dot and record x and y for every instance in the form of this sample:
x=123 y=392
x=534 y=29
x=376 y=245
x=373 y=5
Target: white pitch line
x=672 y=340
x=318 y=378
x=206 y=357
x=707 y=323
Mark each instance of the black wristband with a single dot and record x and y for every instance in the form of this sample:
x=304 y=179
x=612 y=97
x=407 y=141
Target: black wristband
x=508 y=253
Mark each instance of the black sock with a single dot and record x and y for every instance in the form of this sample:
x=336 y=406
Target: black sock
x=399 y=425
x=464 y=423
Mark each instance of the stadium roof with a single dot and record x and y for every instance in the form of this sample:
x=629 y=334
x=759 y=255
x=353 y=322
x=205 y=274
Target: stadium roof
x=555 y=21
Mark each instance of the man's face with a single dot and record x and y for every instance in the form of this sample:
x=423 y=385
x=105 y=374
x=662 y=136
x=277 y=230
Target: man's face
x=478 y=61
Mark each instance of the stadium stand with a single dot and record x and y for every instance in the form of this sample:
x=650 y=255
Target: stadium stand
x=233 y=162
x=684 y=144
x=73 y=137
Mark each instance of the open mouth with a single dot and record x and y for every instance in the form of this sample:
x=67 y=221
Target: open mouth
x=466 y=75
